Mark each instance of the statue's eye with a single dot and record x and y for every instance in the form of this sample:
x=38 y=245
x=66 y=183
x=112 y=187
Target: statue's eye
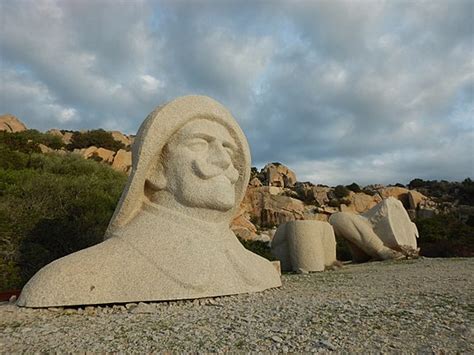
x=229 y=149
x=198 y=144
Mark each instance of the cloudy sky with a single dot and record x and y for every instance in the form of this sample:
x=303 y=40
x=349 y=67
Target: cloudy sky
x=340 y=91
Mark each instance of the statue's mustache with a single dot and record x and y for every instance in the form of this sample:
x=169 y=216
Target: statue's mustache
x=208 y=171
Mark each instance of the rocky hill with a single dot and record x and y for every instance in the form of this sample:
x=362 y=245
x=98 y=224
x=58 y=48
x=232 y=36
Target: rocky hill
x=86 y=143
x=274 y=196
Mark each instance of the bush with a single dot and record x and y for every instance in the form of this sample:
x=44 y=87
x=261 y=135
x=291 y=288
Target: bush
x=343 y=253
x=258 y=247
x=97 y=137
x=444 y=235
x=12 y=159
x=341 y=191
x=354 y=187
x=416 y=183
x=27 y=141
x=53 y=207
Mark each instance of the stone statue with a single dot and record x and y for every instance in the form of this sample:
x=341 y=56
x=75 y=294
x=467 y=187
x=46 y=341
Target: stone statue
x=169 y=237
x=383 y=232
x=305 y=246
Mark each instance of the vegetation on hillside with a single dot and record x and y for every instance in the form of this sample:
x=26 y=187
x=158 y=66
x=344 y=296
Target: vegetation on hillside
x=97 y=138
x=50 y=206
x=28 y=141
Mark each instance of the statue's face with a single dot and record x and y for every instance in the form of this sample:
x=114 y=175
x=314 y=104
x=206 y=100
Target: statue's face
x=199 y=169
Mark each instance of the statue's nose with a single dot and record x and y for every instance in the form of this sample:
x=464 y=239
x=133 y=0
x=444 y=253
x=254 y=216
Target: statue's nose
x=220 y=157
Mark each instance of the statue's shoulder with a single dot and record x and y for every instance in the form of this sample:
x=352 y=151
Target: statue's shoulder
x=77 y=274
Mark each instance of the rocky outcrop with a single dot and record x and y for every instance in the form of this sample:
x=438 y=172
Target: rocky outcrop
x=400 y=193
x=11 y=124
x=120 y=137
x=267 y=209
x=106 y=155
x=65 y=137
x=279 y=175
x=45 y=149
x=243 y=228
x=360 y=202
x=122 y=161
x=88 y=152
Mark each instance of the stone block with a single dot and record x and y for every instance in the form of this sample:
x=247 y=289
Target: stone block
x=304 y=246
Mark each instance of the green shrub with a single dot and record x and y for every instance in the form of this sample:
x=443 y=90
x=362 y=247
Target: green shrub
x=444 y=235
x=55 y=206
x=354 y=187
x=258 y=247
x=369 y=192
x=416 y=183
x=343 y=252
x=12 y=159
x=334 y=203
x=27 y=141
x=341 y=191
x=97 y=137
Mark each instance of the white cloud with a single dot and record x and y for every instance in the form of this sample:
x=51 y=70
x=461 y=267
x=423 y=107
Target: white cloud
x=150 y=83
x=338 y=90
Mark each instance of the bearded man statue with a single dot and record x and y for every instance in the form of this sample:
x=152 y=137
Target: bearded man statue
x=169 y=237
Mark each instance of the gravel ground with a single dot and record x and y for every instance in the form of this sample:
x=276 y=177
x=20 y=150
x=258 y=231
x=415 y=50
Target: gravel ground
x=423 y=305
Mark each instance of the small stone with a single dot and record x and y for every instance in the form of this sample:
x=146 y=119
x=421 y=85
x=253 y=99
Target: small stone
x=327 y=344
x=277 y=339
x=12 y=299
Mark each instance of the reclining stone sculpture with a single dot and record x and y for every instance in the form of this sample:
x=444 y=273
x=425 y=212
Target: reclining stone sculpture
x=383 y=232
x=169 y=237
x=305 y=246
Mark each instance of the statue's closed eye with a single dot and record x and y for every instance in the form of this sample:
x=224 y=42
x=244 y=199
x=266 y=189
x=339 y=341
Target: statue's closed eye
x=197 y=144
x=229 y=148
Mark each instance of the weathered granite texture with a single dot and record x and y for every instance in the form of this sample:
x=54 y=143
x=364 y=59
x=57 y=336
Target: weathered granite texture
x=383 y=232
x=304 y=246
x=169 y=237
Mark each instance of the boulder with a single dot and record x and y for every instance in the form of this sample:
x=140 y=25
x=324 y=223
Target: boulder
x=11 y=124
x=312 y=213
x=55 y=132
x=88 y=152
x=120 y=137
x=255 y=182
x=320 y=194
x=400 y=193
x=67 y=137
x=45 y=149
x=271 y=210
x=304 y=246
x=361 y=202
x=279 y=175
x=243 y=228
x=415 y=198
x=106 y=155
x=122 y=161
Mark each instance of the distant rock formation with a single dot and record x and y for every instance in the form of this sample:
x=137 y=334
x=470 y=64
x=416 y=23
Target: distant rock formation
x=11 y=124
x=279 y=175
x=65 y=137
